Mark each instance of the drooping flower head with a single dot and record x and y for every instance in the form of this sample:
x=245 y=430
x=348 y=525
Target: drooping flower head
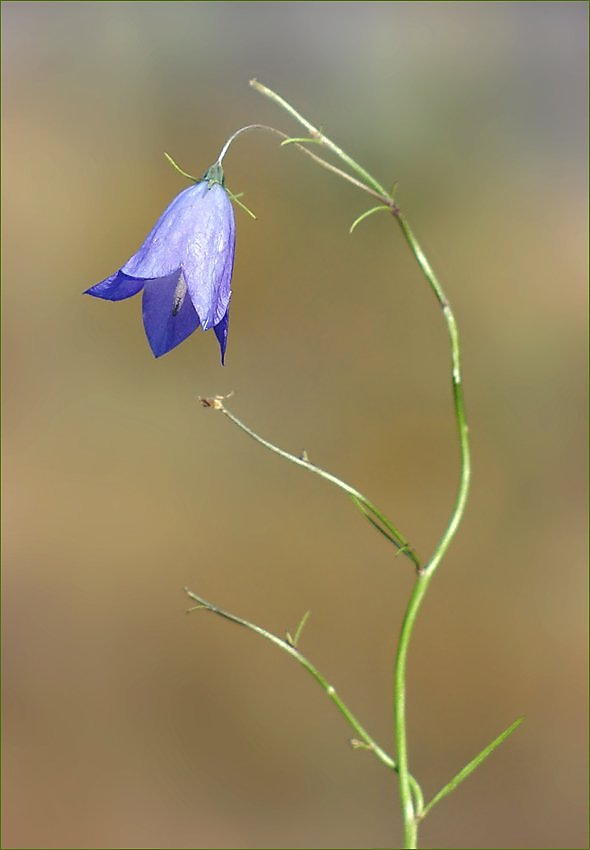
x=184 y=267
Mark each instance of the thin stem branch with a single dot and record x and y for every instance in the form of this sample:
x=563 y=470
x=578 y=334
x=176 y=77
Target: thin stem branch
x=287 y=140
x=318 y=136
x=292 y=650
x=367 y=508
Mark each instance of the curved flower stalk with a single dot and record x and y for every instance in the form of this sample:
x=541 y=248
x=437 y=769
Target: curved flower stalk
x=184 y=267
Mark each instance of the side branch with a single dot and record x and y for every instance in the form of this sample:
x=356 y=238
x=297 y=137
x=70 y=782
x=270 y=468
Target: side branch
x=375 y=516
x=288 y=646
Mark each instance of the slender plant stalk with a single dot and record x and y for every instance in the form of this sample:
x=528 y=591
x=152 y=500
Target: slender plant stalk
x=423 y=581
x=424 y=576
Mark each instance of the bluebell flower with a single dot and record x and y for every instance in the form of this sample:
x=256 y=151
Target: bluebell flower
x=184 y=267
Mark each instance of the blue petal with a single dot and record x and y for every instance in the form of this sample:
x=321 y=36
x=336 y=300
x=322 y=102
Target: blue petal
x=209 y=257
x=168 y=316
x=116 y=287
x=221 y=333
x=165 y=247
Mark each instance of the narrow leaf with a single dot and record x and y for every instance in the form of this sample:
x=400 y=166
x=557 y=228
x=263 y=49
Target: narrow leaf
x=295 y=640
x=366 y=214
x=469 y=768
x=299 y=141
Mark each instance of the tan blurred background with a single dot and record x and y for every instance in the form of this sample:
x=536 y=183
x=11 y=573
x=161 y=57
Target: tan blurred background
x=128 y=723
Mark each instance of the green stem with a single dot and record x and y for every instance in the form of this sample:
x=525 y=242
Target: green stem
x=423 y=581
x=458 y=401
x=410 y=813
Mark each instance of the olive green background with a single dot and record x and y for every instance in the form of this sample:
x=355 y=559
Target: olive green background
x=128 y=723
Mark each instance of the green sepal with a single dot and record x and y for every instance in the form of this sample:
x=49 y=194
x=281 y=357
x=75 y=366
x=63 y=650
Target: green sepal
x=214 y=175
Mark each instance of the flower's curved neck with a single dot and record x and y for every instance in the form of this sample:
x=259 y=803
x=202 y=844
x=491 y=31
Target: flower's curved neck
x=225 y=148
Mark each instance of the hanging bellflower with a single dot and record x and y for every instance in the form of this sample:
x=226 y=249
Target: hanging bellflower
x=184 y=267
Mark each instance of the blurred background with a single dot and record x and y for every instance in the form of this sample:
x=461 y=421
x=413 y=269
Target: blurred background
x=130 y=724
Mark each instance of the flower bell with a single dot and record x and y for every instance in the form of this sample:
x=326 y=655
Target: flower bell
x=184 y=267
